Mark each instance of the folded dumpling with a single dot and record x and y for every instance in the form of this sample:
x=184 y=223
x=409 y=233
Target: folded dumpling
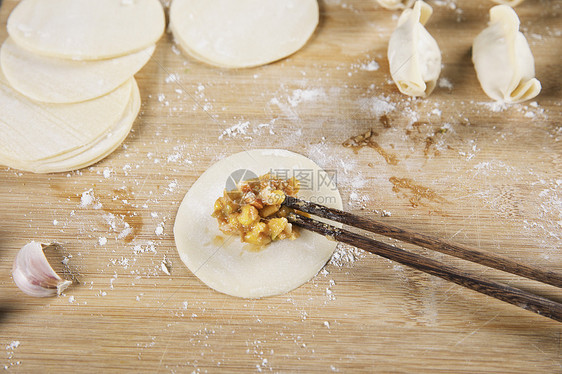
x=413 y=54
x=395 y=4
x=503 y=60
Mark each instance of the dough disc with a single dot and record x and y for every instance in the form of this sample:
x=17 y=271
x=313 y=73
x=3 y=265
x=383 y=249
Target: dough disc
x=86 y=29
x=89 y=153
x=242 y=33
x=228 y=266
x=33 y=131
x=55 y=80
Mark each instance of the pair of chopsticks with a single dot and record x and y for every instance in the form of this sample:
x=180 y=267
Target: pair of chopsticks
x=512 y=295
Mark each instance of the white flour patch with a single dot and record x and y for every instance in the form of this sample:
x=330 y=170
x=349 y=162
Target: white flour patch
x=496 y=106
x=159 y=229
x=377 y=106
x=172 y=78
x=370 y=66
x=445 y=83
x=346 y=255
x=288 y=104
x=299 y=96
x=144 y=248
x=239 y=129
x=88 y=199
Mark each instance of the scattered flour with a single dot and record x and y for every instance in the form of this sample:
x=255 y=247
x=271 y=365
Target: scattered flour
x=172 y=78
x=495 y=106
x=13 y=345
x=445 y=83
x=299 y=96
x=87 y=198
x=346 y=255
x=370 y=66
x=233 y=131
x=377 y=106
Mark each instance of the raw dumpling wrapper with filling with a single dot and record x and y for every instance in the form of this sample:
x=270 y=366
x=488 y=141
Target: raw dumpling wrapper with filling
x=225 y=264
x=503 y=60
x=413 y=54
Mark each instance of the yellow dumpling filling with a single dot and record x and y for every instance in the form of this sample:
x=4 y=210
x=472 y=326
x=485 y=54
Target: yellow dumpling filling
x=254 y=210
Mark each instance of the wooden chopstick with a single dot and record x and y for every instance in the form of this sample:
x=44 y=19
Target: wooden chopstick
x=512 y=295
x=427 y=241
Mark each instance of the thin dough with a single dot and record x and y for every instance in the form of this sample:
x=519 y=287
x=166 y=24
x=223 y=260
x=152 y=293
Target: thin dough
x=86 y=29
x=395 y=4
x=242 y=33
x=503 y=60
x=89 y=153
x=413 y=54
x=33 y=131
x=55 y=80
x=230 y=268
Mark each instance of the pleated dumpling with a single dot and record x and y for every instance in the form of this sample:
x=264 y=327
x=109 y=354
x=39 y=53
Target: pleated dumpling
x=413 y=54
x=503 y=60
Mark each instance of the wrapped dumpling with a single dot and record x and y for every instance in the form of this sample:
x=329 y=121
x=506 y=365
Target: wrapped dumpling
x=395 y=4
x=413 y=54
x=503 y=60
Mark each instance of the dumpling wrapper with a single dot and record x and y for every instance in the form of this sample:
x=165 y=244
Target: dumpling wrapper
x=86 y=29
x=33 y=131
x=89 y=153
x=395 y=4
x=55 y=80
x=413 y=54
x=230 y=267
x=503 y=60
x=243 y=33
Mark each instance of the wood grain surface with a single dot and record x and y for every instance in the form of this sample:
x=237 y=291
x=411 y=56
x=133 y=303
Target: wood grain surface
x=454 y=165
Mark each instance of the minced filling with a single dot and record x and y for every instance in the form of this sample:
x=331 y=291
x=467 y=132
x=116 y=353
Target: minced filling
x=254 y=210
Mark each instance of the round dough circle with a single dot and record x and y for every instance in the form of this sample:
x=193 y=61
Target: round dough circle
x=33 y=131
x=86 y=29
x=242 y=33
x=55 y=80
x=89 y=153
x=230 y=268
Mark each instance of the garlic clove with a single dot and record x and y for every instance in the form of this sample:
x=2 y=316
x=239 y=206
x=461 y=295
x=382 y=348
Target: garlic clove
x=34 y=275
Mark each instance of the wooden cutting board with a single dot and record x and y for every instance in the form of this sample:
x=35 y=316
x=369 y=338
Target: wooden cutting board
x=454 y=165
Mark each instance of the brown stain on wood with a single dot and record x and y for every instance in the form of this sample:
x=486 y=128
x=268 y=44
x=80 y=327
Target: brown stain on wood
x=385 y=121
x=367 y=140
x=430 y=141
x=415 y=192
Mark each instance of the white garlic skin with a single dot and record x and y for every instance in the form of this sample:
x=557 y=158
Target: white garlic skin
x=33 y=274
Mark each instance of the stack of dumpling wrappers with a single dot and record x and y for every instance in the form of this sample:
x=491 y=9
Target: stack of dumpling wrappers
x=68 y=97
